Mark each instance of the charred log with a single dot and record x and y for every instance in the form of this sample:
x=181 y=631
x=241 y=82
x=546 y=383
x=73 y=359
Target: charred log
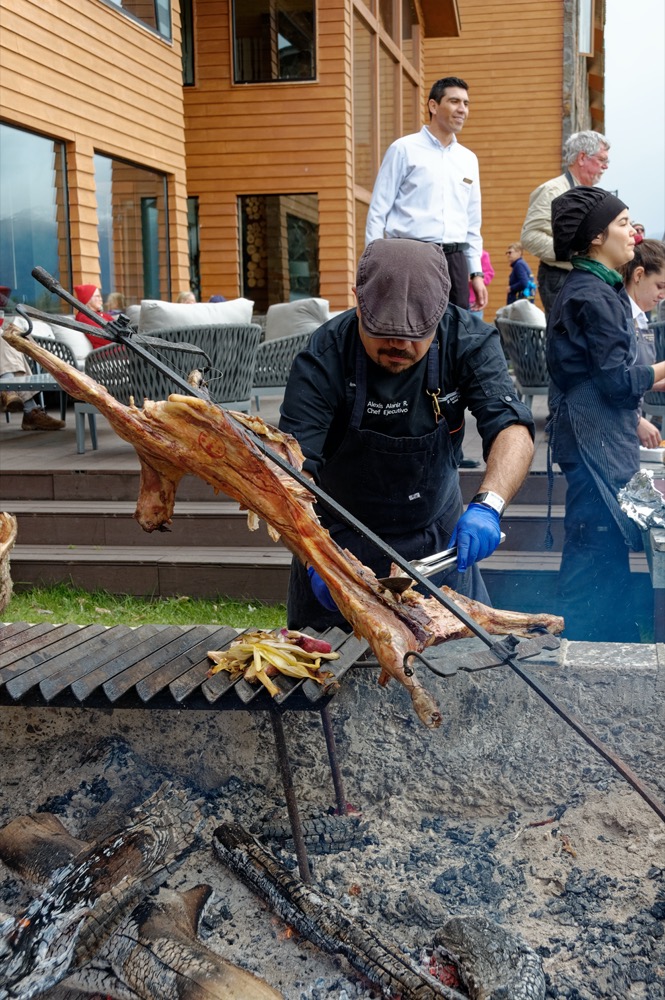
x=323 y=921
x=87 y=899
x=154 y=952
x=493 y=962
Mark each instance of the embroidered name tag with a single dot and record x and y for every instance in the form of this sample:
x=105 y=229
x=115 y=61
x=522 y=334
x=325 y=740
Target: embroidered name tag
x=414 y=496
x=467 y=180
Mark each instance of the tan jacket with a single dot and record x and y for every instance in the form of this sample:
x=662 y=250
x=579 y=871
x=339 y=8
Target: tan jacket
x=537 y=229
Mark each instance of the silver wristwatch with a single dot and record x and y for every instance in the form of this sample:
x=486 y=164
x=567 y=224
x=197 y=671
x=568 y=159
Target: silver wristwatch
x=489 y=499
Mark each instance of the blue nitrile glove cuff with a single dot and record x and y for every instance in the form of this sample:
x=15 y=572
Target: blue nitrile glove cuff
x=476 y=534
x=320 y=590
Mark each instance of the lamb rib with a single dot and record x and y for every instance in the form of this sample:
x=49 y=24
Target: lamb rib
x=189 y=435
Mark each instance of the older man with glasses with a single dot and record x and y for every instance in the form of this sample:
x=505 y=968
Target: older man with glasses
x=585 y=158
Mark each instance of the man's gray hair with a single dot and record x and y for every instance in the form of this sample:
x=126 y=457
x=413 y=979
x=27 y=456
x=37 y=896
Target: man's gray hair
x=583 y=142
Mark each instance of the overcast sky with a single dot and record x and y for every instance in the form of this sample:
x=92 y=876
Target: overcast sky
x=635 y=108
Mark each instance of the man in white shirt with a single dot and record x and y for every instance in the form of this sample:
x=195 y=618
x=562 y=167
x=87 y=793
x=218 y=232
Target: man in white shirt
x=428 y=189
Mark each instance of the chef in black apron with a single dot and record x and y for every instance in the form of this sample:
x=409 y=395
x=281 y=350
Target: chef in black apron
x=597 y=384
x=377 y=403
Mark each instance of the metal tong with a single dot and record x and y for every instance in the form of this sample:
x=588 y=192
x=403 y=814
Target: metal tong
x=428 y=566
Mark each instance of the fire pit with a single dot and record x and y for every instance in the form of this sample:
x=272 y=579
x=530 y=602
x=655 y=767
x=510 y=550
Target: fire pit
x=503 y=813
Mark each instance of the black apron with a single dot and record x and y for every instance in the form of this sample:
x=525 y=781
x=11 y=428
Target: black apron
x=406 y=489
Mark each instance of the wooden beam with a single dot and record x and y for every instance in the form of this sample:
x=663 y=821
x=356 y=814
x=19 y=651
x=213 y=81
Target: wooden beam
x=442 y=18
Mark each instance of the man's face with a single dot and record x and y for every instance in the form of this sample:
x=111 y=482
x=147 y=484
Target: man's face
x=589 y=169
x=450 y=114
x=392 y=353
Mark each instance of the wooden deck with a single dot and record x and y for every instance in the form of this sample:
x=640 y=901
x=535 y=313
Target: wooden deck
x=38 y=450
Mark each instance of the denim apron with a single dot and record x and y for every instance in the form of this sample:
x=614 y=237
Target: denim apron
x=405 y=489
x=594 y=579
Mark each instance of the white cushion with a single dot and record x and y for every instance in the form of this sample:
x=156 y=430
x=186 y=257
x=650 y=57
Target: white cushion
x=76 y=341
x=39 y=327
x=301 y=316
x=524 y=312
x=156 y=315
x=133 y=314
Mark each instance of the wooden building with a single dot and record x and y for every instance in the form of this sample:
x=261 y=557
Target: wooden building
x=233 y=144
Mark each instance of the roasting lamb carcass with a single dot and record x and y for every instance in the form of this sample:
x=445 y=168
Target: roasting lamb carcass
x=189 y=435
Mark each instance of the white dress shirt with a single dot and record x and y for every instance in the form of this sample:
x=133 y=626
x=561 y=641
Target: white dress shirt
x=426 y=191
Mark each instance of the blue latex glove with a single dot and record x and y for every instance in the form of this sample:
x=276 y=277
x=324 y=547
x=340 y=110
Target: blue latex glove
x=476 y=535
x=320 y=590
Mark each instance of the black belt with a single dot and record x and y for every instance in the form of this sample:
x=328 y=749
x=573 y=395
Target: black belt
x=453 y=247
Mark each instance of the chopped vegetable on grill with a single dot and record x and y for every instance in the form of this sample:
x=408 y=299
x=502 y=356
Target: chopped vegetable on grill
x=260 y=655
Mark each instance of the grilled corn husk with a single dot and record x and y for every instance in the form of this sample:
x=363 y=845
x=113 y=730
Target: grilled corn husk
x=258 y=656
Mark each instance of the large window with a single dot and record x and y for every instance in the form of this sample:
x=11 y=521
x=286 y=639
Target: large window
x=279 y=247
x=156 y=14
x=133 y=230
x=34 y=222
x=187 y=29
x=194 y=244
x=274 y=40
x=386 y=92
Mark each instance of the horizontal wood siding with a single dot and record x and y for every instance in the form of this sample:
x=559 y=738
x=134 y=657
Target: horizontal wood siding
x=278 y=138
x=82 y=72
x=511 y=55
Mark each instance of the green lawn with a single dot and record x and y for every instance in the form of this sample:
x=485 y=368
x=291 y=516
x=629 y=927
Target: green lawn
x=64 y=603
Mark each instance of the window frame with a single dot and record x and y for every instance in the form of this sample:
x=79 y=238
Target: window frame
x=306 y=81
x=168 y=38
x=61 y=149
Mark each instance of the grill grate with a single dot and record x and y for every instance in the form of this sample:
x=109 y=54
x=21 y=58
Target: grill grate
x=160 y=666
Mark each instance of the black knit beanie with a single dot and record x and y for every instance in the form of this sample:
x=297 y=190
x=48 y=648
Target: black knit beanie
x=579 y=215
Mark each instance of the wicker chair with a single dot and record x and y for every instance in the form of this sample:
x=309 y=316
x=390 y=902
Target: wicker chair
x=525 y=347
x=654 y=402
x=231 y=350
x=273 y=364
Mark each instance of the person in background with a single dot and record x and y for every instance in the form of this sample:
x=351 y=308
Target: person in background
x=217 y=298
x=596 y=387
x=186 y=298
x=428 y=188
x=15 y=363
x=377 y=402
x=586 y=157
x=644 y=278
x=115 y=303
x=639 y=232
x=520 y=283
x=488 y=274
x=91 y=296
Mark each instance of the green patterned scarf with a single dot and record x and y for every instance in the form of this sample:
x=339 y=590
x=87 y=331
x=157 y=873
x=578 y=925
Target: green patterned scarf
x=605 y=274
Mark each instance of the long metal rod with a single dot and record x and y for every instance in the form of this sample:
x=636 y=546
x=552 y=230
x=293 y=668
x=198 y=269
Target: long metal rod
x=290 y=796
x=331 y=744
x=122 y=336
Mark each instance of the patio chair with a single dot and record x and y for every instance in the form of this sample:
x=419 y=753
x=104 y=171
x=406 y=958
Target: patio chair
x=525 y=347
x=273 y=364
x=232 y=353
x=654 y=402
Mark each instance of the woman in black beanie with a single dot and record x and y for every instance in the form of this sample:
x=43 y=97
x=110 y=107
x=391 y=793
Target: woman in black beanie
x=596 y=387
